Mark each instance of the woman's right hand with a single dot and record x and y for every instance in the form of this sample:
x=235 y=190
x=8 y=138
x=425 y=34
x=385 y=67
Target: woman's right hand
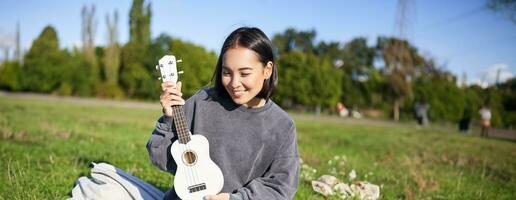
x=170 y=96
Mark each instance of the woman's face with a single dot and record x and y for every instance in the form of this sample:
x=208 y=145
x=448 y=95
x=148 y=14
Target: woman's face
x=243 y=75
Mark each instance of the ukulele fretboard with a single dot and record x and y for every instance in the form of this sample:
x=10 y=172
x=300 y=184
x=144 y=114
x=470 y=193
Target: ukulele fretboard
x=182 y=130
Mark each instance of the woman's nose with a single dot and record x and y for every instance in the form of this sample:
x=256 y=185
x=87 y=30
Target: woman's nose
x=235 y=82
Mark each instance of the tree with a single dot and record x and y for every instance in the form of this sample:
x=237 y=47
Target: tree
x=508 y=93
x=438 y=88
x=360 y=79
x=10 y=76
x=139 y=23
x=78 y=75
x=17 y=50
x=134 y=76
x=507 y=7
x=88 y=31
x=307 y=80
x=198 y=65
x=400 y=60
x=43 y=63
x=293 y=40
x=89 y=27
x=111 y=61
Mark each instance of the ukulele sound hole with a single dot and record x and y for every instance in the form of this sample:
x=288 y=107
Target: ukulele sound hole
x=189 y=157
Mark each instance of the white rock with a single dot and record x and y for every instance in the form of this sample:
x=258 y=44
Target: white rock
x=343 y=190
x=322 y=188
x=366 y=191
x=329 y=180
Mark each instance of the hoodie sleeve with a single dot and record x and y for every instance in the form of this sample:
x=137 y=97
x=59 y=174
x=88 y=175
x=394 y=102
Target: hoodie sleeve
x=159 y=144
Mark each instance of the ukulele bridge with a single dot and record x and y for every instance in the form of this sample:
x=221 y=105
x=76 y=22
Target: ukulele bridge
x=197 y=188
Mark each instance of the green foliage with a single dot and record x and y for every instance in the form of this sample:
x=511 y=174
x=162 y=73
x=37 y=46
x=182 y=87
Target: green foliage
x=10 y=75
x=506 y=7
x=44 y=62
x=198 y=65
x=401 y=61
x=310 y=75
x=305 y=79
x=133 y=72
x=80 y=74
x=139 y=23
x=508 y=92
x=494 y=100
x=358 y=56
x=293 y=40
x=445 y=99
x=361 y=83
x=110 y=70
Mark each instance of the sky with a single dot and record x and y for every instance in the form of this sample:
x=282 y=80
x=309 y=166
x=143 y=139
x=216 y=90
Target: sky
x=461 y=35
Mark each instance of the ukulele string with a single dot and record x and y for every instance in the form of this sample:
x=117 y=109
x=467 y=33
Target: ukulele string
x=189 y=175
x=194 y=169
x=191 y=158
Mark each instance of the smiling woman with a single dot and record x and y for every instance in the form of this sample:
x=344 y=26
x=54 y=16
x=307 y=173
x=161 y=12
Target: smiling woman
x=246 y=71
x=244 y=83
x=251 y=139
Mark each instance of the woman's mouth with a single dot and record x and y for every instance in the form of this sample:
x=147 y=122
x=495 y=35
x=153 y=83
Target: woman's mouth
x=238 y=94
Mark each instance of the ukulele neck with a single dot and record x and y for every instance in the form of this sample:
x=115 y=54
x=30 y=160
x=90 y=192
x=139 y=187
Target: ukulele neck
x=182 y=130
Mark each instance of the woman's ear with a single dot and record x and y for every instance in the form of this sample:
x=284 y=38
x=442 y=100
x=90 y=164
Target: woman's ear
x=268 y=69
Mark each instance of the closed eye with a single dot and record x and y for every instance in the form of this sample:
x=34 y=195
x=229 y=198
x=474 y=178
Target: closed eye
x=225 y=72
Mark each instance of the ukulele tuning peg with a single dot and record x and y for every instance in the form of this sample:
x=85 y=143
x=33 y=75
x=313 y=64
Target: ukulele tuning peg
x=159 y=78
x=180 y=60
x=180 y=72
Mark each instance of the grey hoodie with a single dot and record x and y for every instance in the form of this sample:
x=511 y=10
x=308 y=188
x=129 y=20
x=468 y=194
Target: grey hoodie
x=255 y=148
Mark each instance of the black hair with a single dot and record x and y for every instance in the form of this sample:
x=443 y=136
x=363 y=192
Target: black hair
x=254 y=39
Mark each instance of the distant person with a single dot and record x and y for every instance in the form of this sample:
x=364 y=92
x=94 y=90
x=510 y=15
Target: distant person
x=421 y=110
x=341 y=110
x=485 y=121
x=465 y=121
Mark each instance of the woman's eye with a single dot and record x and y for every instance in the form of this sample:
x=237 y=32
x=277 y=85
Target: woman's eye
x=245 y=74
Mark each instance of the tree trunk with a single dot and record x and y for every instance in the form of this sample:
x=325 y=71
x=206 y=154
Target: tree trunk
x=396 y=110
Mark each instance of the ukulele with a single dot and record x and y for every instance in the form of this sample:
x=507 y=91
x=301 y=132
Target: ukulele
x=197 y=175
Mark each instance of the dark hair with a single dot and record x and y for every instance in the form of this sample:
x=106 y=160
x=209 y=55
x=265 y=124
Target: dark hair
x=254 y=39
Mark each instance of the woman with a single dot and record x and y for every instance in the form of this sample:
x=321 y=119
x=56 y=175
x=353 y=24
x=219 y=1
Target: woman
x=252 y=139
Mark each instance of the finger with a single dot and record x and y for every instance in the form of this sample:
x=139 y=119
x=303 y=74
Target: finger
x=177 y=103
x=172 y=91
x=176 y=98
x=167 y=84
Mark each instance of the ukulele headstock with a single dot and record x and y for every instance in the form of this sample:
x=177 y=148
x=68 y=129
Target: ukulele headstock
x=168 y=68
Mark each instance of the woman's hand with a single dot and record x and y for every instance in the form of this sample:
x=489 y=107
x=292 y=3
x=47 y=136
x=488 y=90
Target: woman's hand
x=221 y=196
x=170 y=96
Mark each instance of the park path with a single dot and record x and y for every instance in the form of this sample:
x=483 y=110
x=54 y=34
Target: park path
x=496 y=133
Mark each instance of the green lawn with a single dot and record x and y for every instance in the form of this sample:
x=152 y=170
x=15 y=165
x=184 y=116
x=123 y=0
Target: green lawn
x=46 y=145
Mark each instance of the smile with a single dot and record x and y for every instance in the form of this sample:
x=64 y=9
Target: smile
x=238 y=94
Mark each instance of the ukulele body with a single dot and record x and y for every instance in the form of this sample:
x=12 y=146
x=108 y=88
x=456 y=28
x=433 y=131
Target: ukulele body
x=197 y=175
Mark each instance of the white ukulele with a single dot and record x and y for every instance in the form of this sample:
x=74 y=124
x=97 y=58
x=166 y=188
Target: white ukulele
x=197 y=175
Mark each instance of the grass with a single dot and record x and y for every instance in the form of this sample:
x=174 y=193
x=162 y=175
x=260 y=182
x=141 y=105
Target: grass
x=46 y=145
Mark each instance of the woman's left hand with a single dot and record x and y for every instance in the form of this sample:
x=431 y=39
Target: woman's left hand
x=221 y=196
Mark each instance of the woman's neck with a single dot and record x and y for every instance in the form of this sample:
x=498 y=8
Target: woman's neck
x=255 y=103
